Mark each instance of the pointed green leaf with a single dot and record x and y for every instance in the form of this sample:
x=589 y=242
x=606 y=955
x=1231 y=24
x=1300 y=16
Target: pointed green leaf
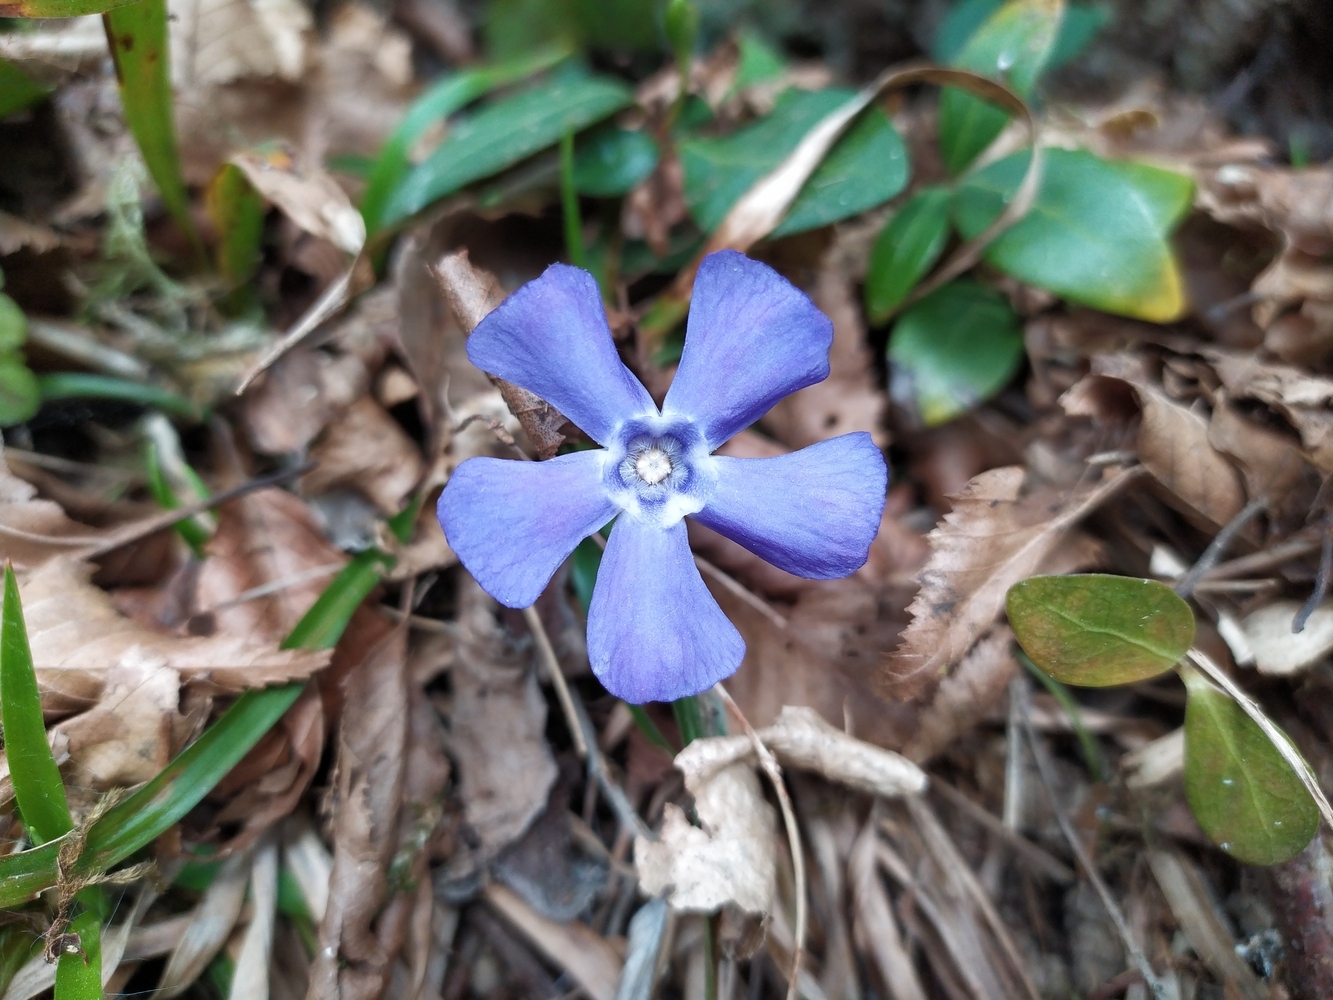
x=17 y=89
x=906 y=249
x=504 y=133
x=1096 y=234
x=954 y=349
x=33 y=771
x=137 y=36
x=444 y=98
x=1094 y=630
x=1012 y=45
x=1244 y=795
x=79 y=973
x=865 y=168
x=611 y=160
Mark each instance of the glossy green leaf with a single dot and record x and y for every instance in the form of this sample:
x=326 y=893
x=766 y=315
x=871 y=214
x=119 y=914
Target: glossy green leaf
x=905 y=250
x=237 y=212
x=1095 y=631
x=681 y=21
x=952 y=350
x=1077 y=29
x=1097 y=233
x=504 y=133
x=17 y=89
x=1244 y=795
x=1012 y=45
x=80 y=385
x=13 y=325
x=79 y=972
x=865 y=168
x=37 y=786
x=609 y=161
x=444 y=98
x=689 y=718
x=137 y=36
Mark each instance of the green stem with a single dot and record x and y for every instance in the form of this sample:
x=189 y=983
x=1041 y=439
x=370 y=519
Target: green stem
x=569 y=201
x=689 y=719
x=78 y=385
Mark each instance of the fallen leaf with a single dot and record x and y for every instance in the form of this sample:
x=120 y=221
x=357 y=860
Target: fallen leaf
x=307 y=195
x=33 y=530
x=367 y=790
x=78 y=637
x=1304 y=399
x=729 y=859
x=1271 y=463
x=366 y=449
x=1280 y=651
x=966 y=696
x=215 y=42
x=301 y=394
x=995 y=536
x=209 y=925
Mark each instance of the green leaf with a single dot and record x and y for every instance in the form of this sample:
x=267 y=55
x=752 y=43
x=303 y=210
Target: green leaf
x=1095 y=631
x=952 y=350
x=237 y=212
x=1077 y=30
x=1097 y=233
x=193 y=533
x=79 y=385
x=79 y=973
x=960 y=24
x=17 y=945
x=610 y=161
x=512 y=27
x=504 y=133
x=757 y=60
x=1245 y=796
x=865 y=168
x=1012 y=45
x=137 y=36
x=20 y=393
x=17 y=89
x=59 y=8
x=906 y=249
x=444 y=98
x=37 y=786
x=13 y=324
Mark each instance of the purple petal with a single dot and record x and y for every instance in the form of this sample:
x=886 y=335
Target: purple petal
x=551 y=338
x=752 y=338
x=813 y=512
x=513 y=523
x=654 y=631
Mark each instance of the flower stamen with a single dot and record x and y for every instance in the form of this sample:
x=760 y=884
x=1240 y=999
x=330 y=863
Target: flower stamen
x=653 y=465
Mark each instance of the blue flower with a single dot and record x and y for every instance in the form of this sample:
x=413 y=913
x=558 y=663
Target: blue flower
x=654 y=631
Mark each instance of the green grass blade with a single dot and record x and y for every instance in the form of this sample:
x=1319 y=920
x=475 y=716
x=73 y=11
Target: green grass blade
x=79 y=975
x=439 y=102
x=137 y=36
x=37 y=785
x=324 y=623
x=689 y=718
x=569 y=203
x=649 y=729
x=194 y=534
x=77 y=385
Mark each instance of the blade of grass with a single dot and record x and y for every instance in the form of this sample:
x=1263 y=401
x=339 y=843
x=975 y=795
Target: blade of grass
x=37 y=786
x=569 y=203
x=78 y=385
x=439 y=102
x=137 y=36
x=79 y=974
x=194 y=534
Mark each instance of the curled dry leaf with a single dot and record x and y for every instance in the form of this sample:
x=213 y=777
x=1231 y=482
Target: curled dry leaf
x=33 y=530
x=367 y=789
x=504 y=784
x=1272 y=464
x=367 y=449
x=1173 y=442
x=302 y=393
x=995 y=536
x=307 y=195
x=731 y=859
x=1276 y=648
x=966 y=696
x=1305 y=400
x=78 y=637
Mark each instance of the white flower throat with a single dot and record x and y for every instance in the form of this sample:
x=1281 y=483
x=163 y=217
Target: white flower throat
x=653 y=465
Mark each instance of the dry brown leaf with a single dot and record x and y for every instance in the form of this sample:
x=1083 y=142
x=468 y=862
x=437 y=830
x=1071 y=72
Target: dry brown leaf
x=78 y=637
x=267 y=540
x=298 y=398
x=588 y=957
x=307 y=195
x=1272 y=464
x=367 y=788
x=504 y=784
x=367 y=449
x=1280 y=651
x=995 y=536
x=1304 y=399
x=730 y=858
x=33 y=530
x=209 y=925
x=966 y=696
x=215 y=42
x=1173 y=442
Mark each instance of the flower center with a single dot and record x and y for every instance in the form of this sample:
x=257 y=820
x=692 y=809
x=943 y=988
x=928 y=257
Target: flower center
x=653 y=465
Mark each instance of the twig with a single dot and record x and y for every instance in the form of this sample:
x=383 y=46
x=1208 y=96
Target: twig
x=1135 y=953
x=1259 y=562
x=735 y=587
x=769 y=763
x=1321 y=580
x=1219 y=545
x=273 y=586
x=547 y=652
x=1275 y=735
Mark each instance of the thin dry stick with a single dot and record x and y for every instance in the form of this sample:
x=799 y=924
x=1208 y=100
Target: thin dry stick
x=1275 y=735
x=1135 y=953
x=769 y=763
x=1321 y=579
x=1219 y=545
x=547 y=651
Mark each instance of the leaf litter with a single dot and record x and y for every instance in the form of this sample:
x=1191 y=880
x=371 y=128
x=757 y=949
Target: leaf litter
x=421 y=821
